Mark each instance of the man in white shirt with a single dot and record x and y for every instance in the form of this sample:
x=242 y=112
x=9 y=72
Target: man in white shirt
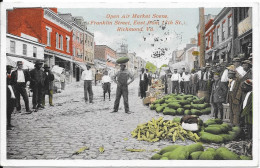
x=87 y=77
x=239 y=68
x=106 y=84
x=186 y=81
x=176 y=78
x=19 y=79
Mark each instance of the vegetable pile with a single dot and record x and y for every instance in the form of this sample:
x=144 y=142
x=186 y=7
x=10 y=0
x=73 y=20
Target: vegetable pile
x=217 y=132
x=196 y=152
x=155 y=130
x=181 y=105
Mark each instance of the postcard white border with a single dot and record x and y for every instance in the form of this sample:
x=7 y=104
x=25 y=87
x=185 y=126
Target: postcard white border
x=136 y=4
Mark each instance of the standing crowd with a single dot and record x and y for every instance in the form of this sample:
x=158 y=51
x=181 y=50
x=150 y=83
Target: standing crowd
x=40 y=79
x=225 y=84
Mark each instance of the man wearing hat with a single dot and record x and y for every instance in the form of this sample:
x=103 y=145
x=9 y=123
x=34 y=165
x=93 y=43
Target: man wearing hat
x=176 y=79
x=48 y=85
x=206 y=81
x=219 y=91
x=233 y=86
x=121 y=79
x=37 y=84
x=19 y=79
x=143 y=82
x=87 y=77
x=247 y=65
x=239 y=68
x=193 y=82
x=182 y=74
x=247 y=107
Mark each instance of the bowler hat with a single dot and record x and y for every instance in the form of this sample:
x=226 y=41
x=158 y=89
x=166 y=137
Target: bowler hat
x=236 y=59
x=46 y=66
x=9 y=67
x=38 y=62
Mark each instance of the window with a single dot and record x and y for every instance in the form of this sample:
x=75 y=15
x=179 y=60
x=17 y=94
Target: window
x=61 y=42
x=12 y=46
x=24 y=49
x=229 y=26
x=217 y=35
x=74 y=37
x=74 y=51
x=48 y=35
x=57 y=40
x=34 y=52
x=68 y=43
x=223 y=32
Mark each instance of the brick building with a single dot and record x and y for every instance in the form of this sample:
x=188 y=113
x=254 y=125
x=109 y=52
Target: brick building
x=106 y=55
x=45 y=25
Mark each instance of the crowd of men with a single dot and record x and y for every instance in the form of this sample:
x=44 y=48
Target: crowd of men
x=229 y=84
x=40 y=79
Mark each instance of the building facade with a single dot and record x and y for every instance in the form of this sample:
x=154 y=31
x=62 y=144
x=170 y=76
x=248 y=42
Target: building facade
x=243 y=33
x=50 y=29
x=105 y=58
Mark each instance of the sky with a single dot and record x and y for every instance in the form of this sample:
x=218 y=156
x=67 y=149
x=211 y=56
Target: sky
x=154 y=45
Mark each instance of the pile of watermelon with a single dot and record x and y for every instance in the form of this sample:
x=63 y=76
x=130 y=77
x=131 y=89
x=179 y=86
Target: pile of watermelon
x=181 y=104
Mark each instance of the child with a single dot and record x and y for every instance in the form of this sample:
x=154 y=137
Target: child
x=106 y=84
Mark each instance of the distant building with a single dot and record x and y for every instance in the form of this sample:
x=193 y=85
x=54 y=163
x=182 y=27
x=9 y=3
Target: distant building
x=105 y=58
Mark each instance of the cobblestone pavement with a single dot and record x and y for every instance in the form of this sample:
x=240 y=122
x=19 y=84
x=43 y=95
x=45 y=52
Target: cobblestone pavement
x=57 y=132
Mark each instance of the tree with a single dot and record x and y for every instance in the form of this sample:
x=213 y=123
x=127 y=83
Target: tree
x=151 y=67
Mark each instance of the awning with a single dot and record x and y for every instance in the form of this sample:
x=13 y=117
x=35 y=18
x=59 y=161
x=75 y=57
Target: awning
x=13 y=62
x=81 y=65
x=64 y=58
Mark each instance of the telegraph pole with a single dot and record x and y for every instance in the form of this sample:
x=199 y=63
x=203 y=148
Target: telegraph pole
x=202 y=37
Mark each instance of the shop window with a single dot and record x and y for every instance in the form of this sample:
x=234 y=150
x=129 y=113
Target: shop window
x=12 y=46
x=24 y=49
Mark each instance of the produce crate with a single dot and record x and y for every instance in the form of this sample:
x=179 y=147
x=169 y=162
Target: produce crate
x=226 y=112
x=148 y=100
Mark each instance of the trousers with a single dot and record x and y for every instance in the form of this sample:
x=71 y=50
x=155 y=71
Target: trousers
x=121 y=90
x=20 y=90
x=37 y=95
x=186 y=87
x=50 y=93
x=142 y=88
x=218 y=107
x=175 y=86
x=88 y=93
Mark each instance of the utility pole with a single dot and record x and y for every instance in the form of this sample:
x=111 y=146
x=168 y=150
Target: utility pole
x=202 y=37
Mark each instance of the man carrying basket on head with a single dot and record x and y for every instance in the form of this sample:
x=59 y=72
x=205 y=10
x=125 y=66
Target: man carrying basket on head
x=121 y=79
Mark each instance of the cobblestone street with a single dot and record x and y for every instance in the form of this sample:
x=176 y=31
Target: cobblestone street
x=57 y=132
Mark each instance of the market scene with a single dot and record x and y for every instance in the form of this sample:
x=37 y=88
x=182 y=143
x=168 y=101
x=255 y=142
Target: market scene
x=74 y=92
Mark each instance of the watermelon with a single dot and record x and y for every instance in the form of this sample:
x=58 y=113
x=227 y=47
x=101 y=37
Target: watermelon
x=122 y=60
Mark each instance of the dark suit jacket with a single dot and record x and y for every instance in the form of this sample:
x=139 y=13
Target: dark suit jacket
x=48 y=83
x=219 y=91
x=27 y=76
x=145 y=79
